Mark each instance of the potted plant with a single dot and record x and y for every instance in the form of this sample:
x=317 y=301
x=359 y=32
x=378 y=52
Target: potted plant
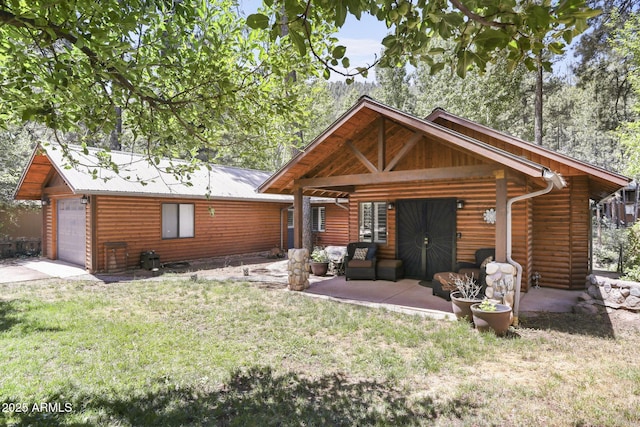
x=319 y=262
x=491 y=316
x=466 y=294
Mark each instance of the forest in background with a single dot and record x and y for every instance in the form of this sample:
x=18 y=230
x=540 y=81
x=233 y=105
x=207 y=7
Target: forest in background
x=590 y=108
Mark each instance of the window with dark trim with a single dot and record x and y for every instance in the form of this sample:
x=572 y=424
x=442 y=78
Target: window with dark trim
x=372 y=222
x=317 y=218
x=178 y=220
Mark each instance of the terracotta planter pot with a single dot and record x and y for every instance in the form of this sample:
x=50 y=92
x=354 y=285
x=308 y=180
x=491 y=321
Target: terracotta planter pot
x=497 y=321
x=319 y=268
x=462 y=306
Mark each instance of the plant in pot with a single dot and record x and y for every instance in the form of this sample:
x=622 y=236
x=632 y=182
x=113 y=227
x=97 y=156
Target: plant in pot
x=466 y=294
x=490 y=315
x=319 y=262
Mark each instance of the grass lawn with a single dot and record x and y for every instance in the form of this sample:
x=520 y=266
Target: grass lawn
x=176 y=352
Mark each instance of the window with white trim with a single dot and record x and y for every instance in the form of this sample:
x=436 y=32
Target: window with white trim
x=372 y=222
x=317 y=218
x=178 y=220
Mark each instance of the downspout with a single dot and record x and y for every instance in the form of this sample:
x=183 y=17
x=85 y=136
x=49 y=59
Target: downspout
x=553 y=180
x=337 y=203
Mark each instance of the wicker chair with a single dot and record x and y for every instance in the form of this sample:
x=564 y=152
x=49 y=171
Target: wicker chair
x=363 y=269
x=477 y=270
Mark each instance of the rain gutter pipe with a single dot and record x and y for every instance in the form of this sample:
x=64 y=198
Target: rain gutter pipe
x=553 y=180
x=337 y=202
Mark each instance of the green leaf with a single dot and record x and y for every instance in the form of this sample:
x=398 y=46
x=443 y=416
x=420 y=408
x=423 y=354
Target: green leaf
x=389 y=41
x=556 y=48
x=341 y=13
x=299 y=41
x=436 y=68
x=339 y=51
x=258 y=21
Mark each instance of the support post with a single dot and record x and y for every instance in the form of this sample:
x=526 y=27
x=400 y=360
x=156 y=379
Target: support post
x=501 y=216
x=297 y=218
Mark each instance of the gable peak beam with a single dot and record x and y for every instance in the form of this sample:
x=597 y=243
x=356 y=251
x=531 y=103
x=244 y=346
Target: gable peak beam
x=381 y=144
x=363 y=159
x=417 y=136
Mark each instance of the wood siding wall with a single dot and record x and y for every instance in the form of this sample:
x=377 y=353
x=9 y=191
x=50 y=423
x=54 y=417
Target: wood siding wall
x=561 y=223
x=48 y=248
x=478 y=196
x=336 y=226
x=236 y=227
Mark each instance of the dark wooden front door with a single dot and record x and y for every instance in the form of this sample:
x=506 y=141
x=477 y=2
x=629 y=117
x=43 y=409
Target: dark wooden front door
x=426 y=236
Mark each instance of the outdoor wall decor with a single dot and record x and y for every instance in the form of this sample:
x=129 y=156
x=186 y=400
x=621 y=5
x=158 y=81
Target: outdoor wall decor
x=489 y=216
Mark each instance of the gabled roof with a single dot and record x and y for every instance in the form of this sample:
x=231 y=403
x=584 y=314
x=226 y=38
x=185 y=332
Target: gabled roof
x=136 y=177
x=606 y=181
x=480 y=146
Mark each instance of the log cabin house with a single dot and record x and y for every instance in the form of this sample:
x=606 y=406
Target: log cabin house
x=104 y=220
x=432 y=191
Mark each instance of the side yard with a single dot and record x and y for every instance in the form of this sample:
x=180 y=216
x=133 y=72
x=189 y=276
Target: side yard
x=183 y=352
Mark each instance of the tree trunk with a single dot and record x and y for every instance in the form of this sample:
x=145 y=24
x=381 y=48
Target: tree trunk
x=307 y=232
x=114 y=140
x=538 y=111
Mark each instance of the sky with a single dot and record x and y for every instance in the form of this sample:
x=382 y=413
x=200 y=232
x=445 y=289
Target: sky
x=363 y=41
x=362 y=38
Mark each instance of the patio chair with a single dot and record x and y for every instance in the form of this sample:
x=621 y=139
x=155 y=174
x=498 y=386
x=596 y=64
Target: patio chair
x=442 y=285
x=360 y=261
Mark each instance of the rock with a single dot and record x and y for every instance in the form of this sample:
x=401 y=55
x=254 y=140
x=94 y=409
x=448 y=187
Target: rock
x=585 y=297
x=594 y=291
x=625 y=292
x=634 y=291
x=611 y=304
x=585 y=309
x=615 y=296
x=492 y=268
x=507 y=268
x=633 y=302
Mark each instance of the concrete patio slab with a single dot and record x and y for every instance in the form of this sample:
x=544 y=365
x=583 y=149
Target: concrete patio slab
x=548 y=300
x=22 y=270
x=409 y=294
x=406 y=294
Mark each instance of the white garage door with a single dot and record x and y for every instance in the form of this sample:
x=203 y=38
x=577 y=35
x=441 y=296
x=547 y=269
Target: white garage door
x=71 y=231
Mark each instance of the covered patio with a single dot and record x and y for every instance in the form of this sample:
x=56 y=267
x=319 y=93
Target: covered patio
x=410 y=296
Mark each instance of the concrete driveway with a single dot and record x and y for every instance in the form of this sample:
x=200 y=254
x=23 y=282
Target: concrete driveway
x=26 y=269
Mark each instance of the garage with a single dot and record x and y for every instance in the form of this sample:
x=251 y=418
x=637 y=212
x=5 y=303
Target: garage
x=71 y=231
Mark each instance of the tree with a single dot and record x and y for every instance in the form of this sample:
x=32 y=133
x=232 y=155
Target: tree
x=16 y=145
x=185 y=74
x=494 y=98
x=395 y=88
x=627 y=43
x=188 y=74
x=480 y=32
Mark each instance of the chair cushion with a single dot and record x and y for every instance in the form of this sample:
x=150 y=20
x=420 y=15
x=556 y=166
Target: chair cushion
x=360 y=263
x=360 y=253
x=371 y=253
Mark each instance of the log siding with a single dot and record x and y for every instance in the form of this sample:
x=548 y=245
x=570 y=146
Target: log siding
x=235 y=227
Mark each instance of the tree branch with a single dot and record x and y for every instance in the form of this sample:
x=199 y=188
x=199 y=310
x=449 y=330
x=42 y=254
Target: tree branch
x=478 y=18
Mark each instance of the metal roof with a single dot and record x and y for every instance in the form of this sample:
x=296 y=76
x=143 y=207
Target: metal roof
x=85 y=173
